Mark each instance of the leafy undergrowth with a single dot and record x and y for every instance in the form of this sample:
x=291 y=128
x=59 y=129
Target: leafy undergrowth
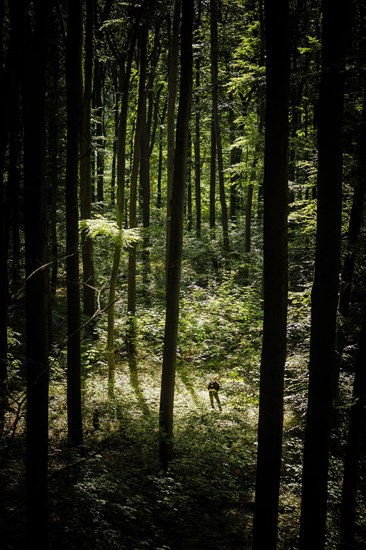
x=113 y=495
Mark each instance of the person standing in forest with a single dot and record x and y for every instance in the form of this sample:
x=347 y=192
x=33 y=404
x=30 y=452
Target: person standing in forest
x=213 y=390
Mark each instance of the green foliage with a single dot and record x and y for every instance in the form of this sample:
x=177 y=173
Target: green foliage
x=101 y=226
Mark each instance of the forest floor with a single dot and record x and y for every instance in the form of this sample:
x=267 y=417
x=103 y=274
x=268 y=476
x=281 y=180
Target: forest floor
x=112 y=493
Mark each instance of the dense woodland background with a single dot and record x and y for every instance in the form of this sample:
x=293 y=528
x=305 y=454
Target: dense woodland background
x=182 y=191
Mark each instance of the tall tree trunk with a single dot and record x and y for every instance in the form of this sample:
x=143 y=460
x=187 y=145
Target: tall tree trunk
x=133 y=197
x=121 y=170
x=189 y=184
x=176 y=240
x=275 y=276
x=326 y=278
x=172 y=92
x=355 y=224
x=89 y=292
x=235 y=157
x=145 y=184
x=197 y=136
x=54 y=138
x=74 y=92
x=36 y=258
x=99 y=114
x=160 y=161
x=213 y=179
x=6 y=73
x=353 y=450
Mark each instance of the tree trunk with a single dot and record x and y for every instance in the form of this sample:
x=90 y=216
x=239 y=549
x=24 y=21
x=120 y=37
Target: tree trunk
x=326 y=278
x=89 y=293
x=74 y=91
x=213 y=179
x=189 y=184
x=235 y=157
x=160 y=162
x=353 y=450
x=197 y=136
x=54 y=138
x=133 y=197
x=275 y=276
x=176 y=241
x=36 y=258
x=99 y=114
x=355 y=224
x=172 y=92
x=121 y=170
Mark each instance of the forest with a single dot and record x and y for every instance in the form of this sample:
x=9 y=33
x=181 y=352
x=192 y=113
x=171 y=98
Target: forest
x=182 y=274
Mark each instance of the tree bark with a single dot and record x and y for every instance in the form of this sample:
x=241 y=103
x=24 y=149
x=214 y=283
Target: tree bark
x=89 y=292
x=74 y=92
x=216 y=124
x=353 y=449
x=197 y=136
x=176 y=241
x=326 y=278
x=36 y=258
x=354 y=229
x=133 y=196
x=273 y=358
x=172 y=92
x=121 y=171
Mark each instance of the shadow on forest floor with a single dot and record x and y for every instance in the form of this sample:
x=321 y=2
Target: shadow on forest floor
x=115 y=496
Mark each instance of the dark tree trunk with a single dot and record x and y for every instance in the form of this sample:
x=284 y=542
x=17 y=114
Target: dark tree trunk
x=36 y=258
x=174 y=260
x=145 y=184
x=100 y=142
x=189 y=184
x=172 y=92
x=235 y=157
x=74 y=92
x=89 y=292
x=160 y=162
x=141 y=110
x=322 y=364
x=121 y=172
x=54 y=138
x=216 y=124
x=353 y=450
x=275 y=277
x=197 y=136
x=355 y=224
x=213 y=178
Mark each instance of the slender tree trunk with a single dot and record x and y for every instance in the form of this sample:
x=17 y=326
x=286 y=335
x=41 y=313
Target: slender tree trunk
x=353 y=450
x=133 y=197
x=145 y=187
x=74 y=91
x=235 y=157
x=213 y=179
x=172 y=92
x=99 y=114
x=114 y=159
x=121 y=173
x=36 y=258
x=5 y=95
x=54 y=138
x=176 y=240
x=189 y=184
x=355 y=224
x=160 y=162
x=197 y=136
x=89 y=293
x=275 y=277
x=326 y=278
